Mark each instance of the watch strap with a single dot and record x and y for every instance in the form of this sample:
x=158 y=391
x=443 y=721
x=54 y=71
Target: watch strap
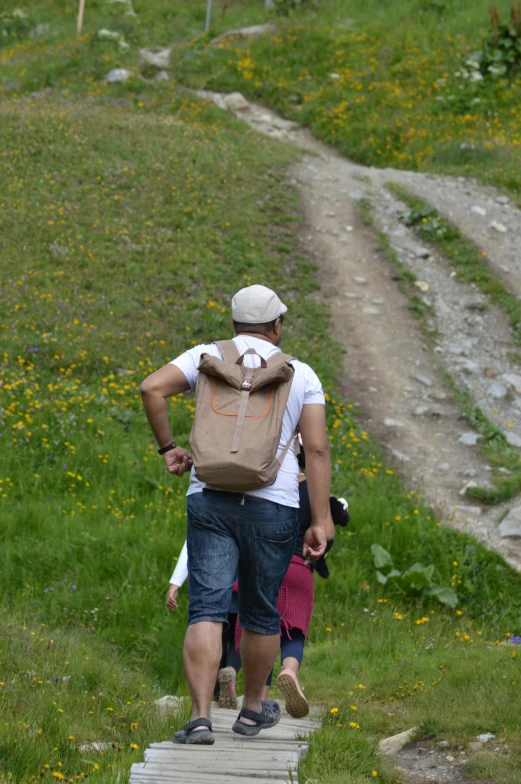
x=167 y=448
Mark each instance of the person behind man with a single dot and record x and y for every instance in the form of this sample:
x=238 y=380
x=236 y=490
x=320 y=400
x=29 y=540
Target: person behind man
x=251 y=533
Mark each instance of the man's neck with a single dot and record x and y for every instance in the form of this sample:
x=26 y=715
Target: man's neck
x=254 y=335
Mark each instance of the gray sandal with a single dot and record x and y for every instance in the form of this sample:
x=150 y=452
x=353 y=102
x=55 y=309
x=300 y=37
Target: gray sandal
x=200 y=737
x=267 y=718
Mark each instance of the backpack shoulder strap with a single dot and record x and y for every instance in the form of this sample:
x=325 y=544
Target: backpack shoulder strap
x=280 y=358
x=228 y=349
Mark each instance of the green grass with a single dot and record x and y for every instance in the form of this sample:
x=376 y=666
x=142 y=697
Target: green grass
x=63 y=689
x=401 y=671
x=129 y=218
x=399 y=99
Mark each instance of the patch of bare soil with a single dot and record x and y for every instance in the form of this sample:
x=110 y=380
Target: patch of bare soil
x=423 y=761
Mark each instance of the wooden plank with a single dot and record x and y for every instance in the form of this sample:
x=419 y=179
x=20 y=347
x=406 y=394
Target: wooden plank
x=148 y=779
x=143 y=769
x=240 y=748
x=243 y=768
x=200 y=777
x=251 y=767
x=180 y=777
x=215 y=752
x=227 y=763
x=231 y=745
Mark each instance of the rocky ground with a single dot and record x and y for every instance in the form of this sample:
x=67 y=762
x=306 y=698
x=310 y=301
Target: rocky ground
x=391 y=371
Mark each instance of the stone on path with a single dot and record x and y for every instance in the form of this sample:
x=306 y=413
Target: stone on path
x=511 y=525
x=40 y=30
x=423 y=379
x=246 y=32
x=98 y=746
x=401 y=456
x=499 y=227
x=497 y=391
x=158 y=57
x=170 y=704
x=478 y=210
x=236 y=102
x=513 y=439
x=117 y=75
x=469 y=439
x=395 y=743
x=512 y=380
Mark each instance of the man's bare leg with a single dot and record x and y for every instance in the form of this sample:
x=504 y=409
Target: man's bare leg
x=258 y=654
x=202 y=656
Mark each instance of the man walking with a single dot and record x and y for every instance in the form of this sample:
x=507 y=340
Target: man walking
x=232 y=531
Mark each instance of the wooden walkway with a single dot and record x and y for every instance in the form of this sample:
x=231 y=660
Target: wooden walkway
x=271 y=757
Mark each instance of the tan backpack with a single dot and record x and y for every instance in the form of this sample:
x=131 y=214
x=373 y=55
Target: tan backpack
x=238 y=419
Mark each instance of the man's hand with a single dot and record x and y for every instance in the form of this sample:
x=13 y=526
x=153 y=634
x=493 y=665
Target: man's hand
x=178 y=461
x=315 y=541
x=171 y=597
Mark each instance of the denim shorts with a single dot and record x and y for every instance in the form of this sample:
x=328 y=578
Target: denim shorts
x=233 y=535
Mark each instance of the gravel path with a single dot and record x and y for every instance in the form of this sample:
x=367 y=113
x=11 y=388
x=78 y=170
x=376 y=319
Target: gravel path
x=393 y=374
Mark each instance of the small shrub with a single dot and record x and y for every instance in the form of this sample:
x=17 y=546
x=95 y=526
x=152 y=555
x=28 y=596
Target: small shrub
x=430 y=225
x=416 y=580
x=501 y=54
x=14 y=24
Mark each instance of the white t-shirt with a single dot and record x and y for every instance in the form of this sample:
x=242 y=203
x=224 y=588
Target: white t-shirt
x=305 y=389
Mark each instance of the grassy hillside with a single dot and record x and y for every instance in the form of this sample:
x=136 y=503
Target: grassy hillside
x=128 y=221
x=388 y=83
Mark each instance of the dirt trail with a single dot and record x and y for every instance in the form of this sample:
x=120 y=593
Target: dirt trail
x=391 y=372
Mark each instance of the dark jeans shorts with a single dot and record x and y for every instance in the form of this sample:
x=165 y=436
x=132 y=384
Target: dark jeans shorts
x=230 y=535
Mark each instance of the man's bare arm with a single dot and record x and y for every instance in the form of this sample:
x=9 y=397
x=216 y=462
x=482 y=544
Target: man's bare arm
x=155 y=389
x=312 y=428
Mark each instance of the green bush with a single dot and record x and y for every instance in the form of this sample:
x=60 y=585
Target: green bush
x=501 y=53
x=14 y=24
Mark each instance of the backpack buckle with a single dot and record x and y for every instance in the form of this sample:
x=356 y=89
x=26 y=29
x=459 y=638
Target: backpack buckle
x=246 y=385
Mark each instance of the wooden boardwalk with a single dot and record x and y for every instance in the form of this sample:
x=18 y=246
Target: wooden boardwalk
x=271 y=757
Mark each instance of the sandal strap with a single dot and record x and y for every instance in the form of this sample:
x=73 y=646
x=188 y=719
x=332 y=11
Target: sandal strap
x=269 y=710
x=191 y=725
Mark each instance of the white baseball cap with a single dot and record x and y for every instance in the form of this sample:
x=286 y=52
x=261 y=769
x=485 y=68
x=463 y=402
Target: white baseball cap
x=256 y=305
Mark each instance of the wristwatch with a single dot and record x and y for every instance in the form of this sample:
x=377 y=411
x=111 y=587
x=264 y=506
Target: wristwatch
x=167 y=448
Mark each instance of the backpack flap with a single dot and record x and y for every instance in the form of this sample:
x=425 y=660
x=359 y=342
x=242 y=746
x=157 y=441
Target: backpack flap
x=232 y=374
